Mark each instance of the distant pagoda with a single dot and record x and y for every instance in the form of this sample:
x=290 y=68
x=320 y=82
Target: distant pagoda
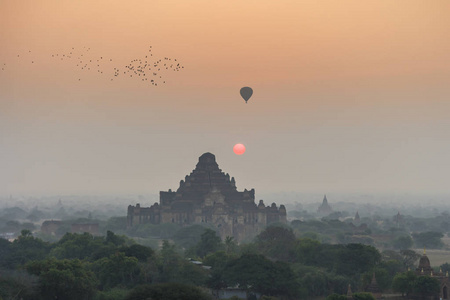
x=357 y=219
x=374 y=288
x=324 y=209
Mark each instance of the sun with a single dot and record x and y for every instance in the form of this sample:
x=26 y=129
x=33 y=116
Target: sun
x=239 y=149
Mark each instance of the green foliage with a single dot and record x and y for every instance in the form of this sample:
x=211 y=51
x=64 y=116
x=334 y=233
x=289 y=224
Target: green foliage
x=117 y=269
x=430 y=239
x=168 y=291
x=17 y=285
x=209 y=243
x=311 y=235
x=5 y=251
x=363 y=296
x=248 y=248
x=188 y=237
x=169 y=263
x=409 y=258
x=402 y=242
x=356 y=258
x=404 y=282
x=426 y=286
x=164 y=231
x=116 y=224
x=230 y=245
x=63 y=279
x=335 y=296
x=258 y=274
x=445 y=268
x=339 y=283
x=79 y=246
x=24 y=249
x=306 y=251
x=315 y=281
x=382 y=276
x=142 y=253
x=113 y=294
x=408 y=283
x=218 y=261
x=173 y=268
x=114 y=239
x=276 y=242
x=264 y=297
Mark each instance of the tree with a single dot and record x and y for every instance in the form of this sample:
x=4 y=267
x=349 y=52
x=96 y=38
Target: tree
x=306 y=251
x=426 y=286
x=430 y=239
x=114 y=239
x=112 y=294
x=117 y=269
x=169 y=263
x=356 y=258
x=277 y=242
x=74 y=245
x=17 y=285
x=142 y=253
x=26 y=248
x=255 y=273
x=382 y=276
x=117 y=224
x=402 y=242
x=404 y=282
x=335 y=296
x=410 y=258
x=5 y=251
x=363 y=296
x=209 y=243
x=63 y=279
x=167 y=291
x=445 y=268
x=218 y=262
x=230 y=245
x=188 y=237
x=316 y=282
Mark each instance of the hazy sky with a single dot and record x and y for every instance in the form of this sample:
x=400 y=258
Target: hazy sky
x=349 y=95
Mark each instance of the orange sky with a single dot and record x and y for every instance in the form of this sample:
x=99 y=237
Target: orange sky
x=348 y=95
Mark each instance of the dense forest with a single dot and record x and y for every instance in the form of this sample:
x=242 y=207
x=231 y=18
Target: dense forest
x=196 y=265
x=310 y=257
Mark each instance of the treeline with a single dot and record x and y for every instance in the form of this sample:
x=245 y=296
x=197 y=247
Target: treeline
x=275 y=264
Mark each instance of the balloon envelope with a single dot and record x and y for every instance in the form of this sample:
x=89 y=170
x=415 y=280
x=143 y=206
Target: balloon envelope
x=246 y=93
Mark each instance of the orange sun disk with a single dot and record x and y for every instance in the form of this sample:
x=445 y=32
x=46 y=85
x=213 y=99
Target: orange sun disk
x=239 y=149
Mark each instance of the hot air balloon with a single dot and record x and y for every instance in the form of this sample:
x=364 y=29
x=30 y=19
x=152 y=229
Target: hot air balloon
x=246 y=93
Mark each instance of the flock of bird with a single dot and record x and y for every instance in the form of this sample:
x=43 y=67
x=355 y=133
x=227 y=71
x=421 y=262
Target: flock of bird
x=146 y=69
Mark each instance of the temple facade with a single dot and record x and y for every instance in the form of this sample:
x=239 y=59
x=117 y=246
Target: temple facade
x=425 y=269
x=209 y=196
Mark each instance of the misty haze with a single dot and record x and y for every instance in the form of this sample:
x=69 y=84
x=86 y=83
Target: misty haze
x=181 y=150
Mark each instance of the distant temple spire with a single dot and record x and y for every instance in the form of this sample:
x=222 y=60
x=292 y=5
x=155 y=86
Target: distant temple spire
x=324 y=208
x=374 y=288
x=349 y=292
x=357 y=219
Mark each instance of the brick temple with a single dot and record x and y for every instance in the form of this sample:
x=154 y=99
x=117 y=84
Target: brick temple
x=209 y=196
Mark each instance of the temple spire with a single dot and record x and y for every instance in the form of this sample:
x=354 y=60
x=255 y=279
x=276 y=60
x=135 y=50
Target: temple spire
x=349 y=292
